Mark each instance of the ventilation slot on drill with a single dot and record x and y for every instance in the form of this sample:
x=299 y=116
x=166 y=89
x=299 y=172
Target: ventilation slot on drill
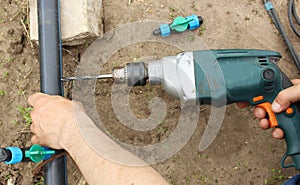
x=264 y=64
x=262 y=61
x=269 y=87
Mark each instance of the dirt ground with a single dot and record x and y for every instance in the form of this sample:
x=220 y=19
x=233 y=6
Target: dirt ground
x=241 y=154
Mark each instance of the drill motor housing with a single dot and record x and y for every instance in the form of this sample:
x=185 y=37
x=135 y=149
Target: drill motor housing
x=221 y=77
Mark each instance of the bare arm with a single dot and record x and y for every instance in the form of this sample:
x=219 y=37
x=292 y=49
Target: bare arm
x=55 y=126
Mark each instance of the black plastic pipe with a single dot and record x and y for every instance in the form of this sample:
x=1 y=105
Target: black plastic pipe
x=273 y=14
x=51 y=73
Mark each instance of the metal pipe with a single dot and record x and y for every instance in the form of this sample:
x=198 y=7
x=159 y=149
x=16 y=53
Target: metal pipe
x=51 y=73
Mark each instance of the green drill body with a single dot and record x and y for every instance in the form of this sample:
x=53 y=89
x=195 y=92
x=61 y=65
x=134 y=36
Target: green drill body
x=251 y=76
x=221 y=77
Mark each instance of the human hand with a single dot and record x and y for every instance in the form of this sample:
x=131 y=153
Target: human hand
x=281 y=103
x=53 y=120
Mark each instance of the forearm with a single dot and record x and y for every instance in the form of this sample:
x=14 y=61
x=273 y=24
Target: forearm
x=98 y=170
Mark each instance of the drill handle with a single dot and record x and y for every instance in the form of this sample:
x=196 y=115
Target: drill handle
x=289 y=122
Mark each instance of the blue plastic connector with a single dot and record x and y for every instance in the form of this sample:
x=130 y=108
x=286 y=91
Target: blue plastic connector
x=47 y=156
x=195 y=23
x=165 y=30
x=16 y=155
x=269 y=5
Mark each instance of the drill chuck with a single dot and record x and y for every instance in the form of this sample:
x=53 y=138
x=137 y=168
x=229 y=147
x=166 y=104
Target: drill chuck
x=174 y=73
x=133 y=74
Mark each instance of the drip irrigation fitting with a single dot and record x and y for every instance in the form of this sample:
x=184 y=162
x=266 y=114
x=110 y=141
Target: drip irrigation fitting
x=38 y=153
x=179 y=24
x=11 y=155
x=14 y=155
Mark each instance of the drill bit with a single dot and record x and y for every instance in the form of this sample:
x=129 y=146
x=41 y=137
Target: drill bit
x=80 y=78
x=133 y=74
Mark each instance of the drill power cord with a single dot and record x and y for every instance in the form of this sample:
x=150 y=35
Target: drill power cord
x=292 y=13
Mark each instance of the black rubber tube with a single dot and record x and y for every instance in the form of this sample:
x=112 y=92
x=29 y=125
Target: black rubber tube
x=286 y=39
x=51 y=73
x=276 y=21
x=292 y=13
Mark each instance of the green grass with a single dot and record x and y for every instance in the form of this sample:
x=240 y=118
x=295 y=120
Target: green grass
x=202 y=30
x=276 y=177
x=2 y=93
x=203 y=179
x=15 y=122
x=7 y=177
x=25 y=112
x=40 y=182
x=21 y=92
x=202 y=156
x=192 y=38
x=26 y=22
x=161 y=130
x=115 y=65
x=5 y=74
x=11 y=58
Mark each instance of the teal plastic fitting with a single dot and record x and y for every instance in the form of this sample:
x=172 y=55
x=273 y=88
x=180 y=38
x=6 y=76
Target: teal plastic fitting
x=179 y=24
x=38 y=153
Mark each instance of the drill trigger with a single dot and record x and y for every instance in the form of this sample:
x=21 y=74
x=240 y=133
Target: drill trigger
x=272 y=118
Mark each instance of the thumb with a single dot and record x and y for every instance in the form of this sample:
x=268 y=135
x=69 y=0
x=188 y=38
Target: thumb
x=285 y=98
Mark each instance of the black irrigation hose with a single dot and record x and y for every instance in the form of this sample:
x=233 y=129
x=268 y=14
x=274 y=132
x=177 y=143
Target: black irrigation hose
x=292 y=14
x=50 y=74
x=272 y=12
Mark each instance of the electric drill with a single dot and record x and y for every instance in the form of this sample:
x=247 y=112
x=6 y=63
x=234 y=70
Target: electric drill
x=220 y=77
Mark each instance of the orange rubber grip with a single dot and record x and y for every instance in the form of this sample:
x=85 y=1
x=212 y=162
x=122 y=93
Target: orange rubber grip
x=272 y=118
